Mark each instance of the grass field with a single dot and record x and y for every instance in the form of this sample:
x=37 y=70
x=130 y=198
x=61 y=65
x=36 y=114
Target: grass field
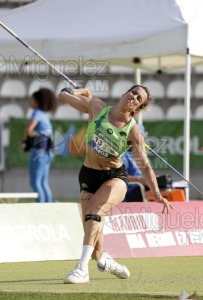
x=151 y=278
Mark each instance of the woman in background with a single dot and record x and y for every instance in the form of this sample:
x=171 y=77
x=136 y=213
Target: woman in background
x=37 y=136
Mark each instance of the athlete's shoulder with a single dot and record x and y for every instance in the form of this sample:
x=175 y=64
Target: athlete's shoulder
x=135 y=134
x=97 y=105
x=96 y=102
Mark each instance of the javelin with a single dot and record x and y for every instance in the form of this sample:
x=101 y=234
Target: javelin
x=39 y=55
x=161 y=158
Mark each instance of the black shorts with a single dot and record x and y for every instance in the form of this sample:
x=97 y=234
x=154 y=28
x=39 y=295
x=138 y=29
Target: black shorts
x=91 y=179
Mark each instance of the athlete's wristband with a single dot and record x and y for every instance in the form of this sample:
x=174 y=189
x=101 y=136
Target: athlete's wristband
x=67 y=90
x=157 y=197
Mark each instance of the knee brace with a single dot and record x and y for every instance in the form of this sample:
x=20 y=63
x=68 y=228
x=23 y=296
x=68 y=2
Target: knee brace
x=92 y=217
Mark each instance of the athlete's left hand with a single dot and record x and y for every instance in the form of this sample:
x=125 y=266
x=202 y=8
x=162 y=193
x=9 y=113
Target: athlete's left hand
x=166 y=204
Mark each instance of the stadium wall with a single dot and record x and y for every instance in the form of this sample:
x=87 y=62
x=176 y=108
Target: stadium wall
x=64 y=182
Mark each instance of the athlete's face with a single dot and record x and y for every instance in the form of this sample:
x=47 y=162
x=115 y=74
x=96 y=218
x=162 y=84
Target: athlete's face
x=135 y=98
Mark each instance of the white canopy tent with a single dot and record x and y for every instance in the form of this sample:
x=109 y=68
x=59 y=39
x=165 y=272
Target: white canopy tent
x=155 y=34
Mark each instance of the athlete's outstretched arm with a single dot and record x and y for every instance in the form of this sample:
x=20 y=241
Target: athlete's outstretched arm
x=80 y=100
x=136 y=140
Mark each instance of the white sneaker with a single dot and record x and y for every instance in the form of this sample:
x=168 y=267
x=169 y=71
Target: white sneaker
x=78 y=275
x=113 y=267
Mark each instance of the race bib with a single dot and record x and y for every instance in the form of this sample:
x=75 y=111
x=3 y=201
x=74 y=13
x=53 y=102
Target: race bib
x=103 y=145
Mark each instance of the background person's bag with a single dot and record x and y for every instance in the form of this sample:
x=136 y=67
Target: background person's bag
x=38 y=142
x=164 y=181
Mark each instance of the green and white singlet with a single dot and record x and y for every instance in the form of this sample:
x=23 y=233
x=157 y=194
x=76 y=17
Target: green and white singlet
x=106 y=139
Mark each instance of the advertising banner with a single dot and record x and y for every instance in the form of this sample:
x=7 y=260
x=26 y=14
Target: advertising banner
x=68 y=138
x=166 y=138
x=141 y=230
x=53 y=231
x=38 y=232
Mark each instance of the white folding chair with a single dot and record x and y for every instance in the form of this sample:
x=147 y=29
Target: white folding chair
x=36 y=85
x=156 y=88
x=176 y=112
x=67 y=112
x=11 y=110
x=198 y=114
x=176 y=89
x=198 y=90
x=154 y=113
x=120 y=87
x=13 y=88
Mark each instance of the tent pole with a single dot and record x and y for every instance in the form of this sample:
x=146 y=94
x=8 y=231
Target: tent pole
x=138 y=81
x=186 y=160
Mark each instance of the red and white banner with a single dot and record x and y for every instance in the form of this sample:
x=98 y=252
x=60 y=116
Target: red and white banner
x=141 y=230
x=54 y=231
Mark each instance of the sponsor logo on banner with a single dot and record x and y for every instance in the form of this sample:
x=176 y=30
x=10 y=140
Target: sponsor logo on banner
x=141 y=230
x=35 y=232
x=131 y=223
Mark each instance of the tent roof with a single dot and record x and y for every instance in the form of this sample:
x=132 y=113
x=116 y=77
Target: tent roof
x=157 y=32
